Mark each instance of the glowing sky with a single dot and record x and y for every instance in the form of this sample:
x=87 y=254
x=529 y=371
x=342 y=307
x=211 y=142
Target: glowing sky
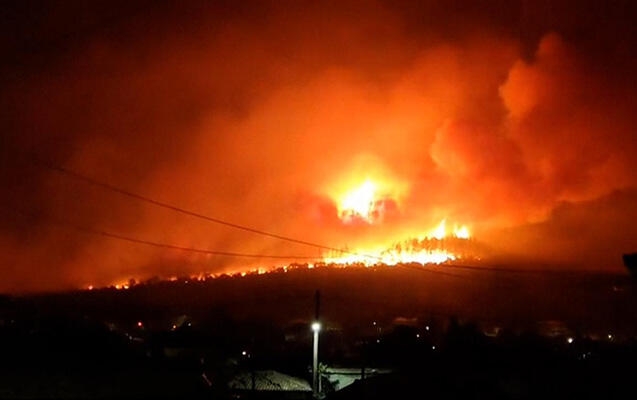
x=516 y=118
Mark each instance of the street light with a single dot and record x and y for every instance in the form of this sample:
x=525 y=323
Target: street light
x=316 y=328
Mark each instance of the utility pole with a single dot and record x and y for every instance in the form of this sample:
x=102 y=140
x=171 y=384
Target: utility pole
x=316 y=328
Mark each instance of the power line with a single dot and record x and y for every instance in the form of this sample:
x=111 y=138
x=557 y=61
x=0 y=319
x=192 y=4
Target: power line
x=107 y=186
x=99 y=232
x=157 y=203
x=433 y=271
x=94 y=182
x=502 y=269
x=196 y=250
x=130 y=239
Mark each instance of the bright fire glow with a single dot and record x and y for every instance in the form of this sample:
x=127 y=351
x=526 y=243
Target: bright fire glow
x=392 y=257
x=461 y=232
x=359 y=202
x=430 y=249
x=441 y=230
x=438 y=245
x=368 y=194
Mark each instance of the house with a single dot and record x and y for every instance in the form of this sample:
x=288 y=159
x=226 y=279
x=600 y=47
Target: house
x=269 y=384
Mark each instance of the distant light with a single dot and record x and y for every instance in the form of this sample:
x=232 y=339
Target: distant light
x=569 y=340
x=90 y=287
x=610 y=337
x=174 y=327
x=433 y=347
x=417 y=335
x=243 y=353
x=427 y=327
x=140 y=324
x=316 y=326
x=374 y=323
x=377 y=340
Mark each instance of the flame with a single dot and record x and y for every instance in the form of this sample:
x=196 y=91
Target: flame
x=359 y=202
x=461 y=232
x=369 y=202
x=367 y=192
x=392 y=257
x=438 y=246
x=440 y=231
x=122 y=286
x=429 y=249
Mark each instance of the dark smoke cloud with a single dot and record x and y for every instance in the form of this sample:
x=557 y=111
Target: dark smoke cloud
x=513 y=117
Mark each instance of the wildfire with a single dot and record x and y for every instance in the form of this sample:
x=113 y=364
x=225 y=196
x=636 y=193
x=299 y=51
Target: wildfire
x=368 y=194
x=368 y=201
x=392 y=257
x=360 y=203
x=437 y=246
x=440 y=232
x=462 y=233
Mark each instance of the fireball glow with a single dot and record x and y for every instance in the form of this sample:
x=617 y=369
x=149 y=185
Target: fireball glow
x=365 y=202
x=461 y=232
x=359 y=202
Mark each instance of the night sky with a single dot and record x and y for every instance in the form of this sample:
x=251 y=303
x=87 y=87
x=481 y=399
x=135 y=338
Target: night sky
x=515 y=118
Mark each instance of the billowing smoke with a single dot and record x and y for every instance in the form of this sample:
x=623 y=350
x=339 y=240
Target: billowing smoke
x=515 y=119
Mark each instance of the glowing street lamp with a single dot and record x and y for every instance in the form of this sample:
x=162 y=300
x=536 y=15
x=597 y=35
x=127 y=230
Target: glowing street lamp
x=316 y=328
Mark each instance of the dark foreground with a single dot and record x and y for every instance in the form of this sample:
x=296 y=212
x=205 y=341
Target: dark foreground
x=472 y=335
